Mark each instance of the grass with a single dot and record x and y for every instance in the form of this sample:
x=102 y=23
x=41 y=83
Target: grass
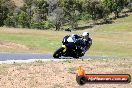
x=109 y=39
x=118 y=25
x=38 y=41
x=111 y=44
x=113 y=39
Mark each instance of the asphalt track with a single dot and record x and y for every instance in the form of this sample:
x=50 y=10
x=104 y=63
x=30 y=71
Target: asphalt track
x=4 y=56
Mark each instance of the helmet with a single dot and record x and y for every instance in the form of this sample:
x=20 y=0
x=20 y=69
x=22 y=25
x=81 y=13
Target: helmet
x=72 y=35
x=85 y=34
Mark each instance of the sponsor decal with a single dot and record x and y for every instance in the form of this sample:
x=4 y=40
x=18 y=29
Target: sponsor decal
x=82 y=77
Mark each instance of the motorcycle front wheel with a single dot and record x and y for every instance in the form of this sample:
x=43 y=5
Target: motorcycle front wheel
x=58 y=52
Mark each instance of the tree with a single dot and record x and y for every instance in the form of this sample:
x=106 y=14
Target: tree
x=42 y=6
x=96 y=9
x=6 y=7
x=115 y=6
x=19 y=20
x=56 y=14
x=27 y=7
x=71 y=11
x=23 y=20
x=57 y=17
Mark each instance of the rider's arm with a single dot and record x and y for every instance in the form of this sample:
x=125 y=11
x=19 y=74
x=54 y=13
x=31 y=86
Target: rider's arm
x=90 y=41
x=87 y=45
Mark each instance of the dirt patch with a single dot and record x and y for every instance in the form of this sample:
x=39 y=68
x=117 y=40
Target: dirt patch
x=61 y=74
x=18 y=3
x=12 y=45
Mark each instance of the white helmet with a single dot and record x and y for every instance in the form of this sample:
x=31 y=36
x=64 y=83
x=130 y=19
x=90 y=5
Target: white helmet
x=72 y=35
x=85 y=34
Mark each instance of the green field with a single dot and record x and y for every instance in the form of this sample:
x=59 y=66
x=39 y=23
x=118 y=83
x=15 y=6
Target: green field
x=109 y=39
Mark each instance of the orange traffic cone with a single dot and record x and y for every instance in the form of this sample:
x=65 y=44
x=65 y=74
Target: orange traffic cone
x=81 y=71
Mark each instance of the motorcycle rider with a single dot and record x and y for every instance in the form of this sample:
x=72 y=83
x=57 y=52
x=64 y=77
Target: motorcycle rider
x=80 y=43
x=87 y=42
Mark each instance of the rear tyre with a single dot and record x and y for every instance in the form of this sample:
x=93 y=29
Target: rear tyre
x=58 y=52
x=76 y=57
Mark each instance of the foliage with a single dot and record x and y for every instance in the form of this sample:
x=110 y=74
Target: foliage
x=42 y=8
x=6 y=6
x=96 y=9
x=56 y=14
x=10 y=21
x=71 y=10
x=23 y=20
x=20 y=20
x=42 y=25
x=115 y=6
x=46 y=14
x=85 y=17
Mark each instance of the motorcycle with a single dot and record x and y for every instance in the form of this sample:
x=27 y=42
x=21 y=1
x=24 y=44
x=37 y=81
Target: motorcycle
x=68 y=50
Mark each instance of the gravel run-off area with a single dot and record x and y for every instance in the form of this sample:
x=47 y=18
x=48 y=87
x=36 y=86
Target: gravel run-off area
x=61 y=74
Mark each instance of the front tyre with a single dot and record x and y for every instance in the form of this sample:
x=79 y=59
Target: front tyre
x=58 y=52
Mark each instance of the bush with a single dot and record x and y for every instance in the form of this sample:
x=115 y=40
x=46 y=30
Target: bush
x=86 y=17
x=42 y=25
x=36 y=25
x=20 y=20
x=6 y=7
x=24 y=20
x=48 y=24
x=9 y=21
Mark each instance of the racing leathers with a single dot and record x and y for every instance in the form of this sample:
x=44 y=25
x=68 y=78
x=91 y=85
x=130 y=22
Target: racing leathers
x=79 y=44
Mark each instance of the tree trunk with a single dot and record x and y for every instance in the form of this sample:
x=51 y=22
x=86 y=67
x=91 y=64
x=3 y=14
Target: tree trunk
x=116 y=14
x=57 y=26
